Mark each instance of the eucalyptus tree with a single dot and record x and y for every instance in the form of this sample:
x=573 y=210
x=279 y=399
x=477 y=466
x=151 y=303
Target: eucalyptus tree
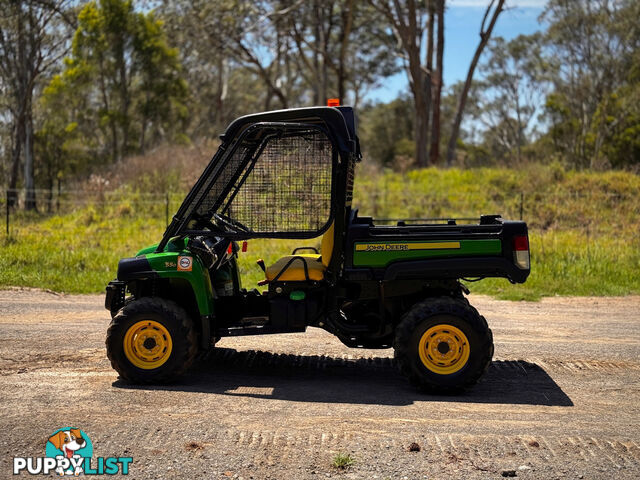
x=33 y=38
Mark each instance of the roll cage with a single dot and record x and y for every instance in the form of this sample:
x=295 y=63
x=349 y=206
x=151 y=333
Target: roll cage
x=311 y=152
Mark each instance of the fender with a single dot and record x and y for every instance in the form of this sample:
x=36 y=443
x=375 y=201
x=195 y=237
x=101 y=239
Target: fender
x=171 y=265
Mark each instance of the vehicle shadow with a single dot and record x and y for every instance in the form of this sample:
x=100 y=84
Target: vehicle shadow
x=326 y=379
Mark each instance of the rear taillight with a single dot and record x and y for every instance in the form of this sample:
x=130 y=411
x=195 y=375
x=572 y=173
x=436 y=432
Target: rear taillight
x=521 y=251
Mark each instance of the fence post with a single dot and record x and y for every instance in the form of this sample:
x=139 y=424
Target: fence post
x=7 y=199
x=521 y=204
x=166 y=209
x=58 y=197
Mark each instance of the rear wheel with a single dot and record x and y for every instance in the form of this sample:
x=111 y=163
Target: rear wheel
x=151 y=340
x=443 y=345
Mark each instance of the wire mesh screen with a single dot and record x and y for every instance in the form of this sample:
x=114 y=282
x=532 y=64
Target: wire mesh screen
x=287 y=188
x=210 y=194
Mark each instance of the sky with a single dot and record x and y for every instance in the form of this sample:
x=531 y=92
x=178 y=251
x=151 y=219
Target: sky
x=462 y=26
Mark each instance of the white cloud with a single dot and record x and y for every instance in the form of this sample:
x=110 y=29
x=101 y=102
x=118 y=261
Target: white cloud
x=484 y=3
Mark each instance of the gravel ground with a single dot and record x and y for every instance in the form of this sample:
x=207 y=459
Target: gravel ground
x=561 y=399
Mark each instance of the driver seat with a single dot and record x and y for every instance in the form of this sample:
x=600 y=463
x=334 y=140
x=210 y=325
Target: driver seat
x=301 y=268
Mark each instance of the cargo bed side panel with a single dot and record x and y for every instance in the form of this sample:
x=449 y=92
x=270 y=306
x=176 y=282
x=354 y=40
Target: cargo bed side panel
x=380 y=254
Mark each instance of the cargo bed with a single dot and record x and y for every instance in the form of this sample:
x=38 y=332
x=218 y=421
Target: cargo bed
x=435 y=250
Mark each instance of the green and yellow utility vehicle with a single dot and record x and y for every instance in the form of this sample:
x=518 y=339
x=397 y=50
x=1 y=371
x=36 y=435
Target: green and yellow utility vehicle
x=290 y=174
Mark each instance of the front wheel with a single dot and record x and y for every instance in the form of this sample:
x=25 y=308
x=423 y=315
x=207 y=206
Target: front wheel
x=443 y=345
x=151 y=340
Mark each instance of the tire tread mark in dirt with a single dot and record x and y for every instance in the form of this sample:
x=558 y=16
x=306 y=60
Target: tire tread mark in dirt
x=617 y=452
x=603 y=452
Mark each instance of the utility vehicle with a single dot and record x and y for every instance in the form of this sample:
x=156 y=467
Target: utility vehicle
x=290 y=174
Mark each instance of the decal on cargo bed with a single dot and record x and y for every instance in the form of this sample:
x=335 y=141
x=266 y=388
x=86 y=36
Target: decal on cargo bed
x=379 y=254
x=386 y=247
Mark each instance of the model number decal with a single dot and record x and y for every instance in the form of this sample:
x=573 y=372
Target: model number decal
x=394 y=247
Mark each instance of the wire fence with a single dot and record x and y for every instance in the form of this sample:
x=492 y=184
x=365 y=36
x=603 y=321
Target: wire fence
x=45 y=203
x=592 y=212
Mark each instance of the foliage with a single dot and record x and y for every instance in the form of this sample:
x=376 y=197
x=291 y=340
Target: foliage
x=122 y=84
x=384 y=130
x=512 y=90
x=567 y=93
x=592 y=49
x=33 y=38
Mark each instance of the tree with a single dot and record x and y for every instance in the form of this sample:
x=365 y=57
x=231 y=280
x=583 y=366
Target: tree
x=591 y=46
x=493 y=11
x=614 y=137
x=162 y=88
x=31 y=42
x=241 y=55
x=340 y=47
x=436 y=79
x=514 y=82
x=217 y=89
x=386 y=130
x=127 y=77
x=408 y=21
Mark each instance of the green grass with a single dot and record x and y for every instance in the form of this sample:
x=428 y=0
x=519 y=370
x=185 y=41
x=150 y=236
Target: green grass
x=75 y=253
x=571 y=264
x=583 y=229
x=342 y=460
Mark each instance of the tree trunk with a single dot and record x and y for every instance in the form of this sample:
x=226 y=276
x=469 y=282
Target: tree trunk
x=50 y=193
x=423 y=99
x=420 y=88
x=316 y=54
x=112 y=121
x=30 y=194
x=217 y=119
x=436 y=83
x=143 y=128
x=408 y=31
x=15 y=162
x=485 y=35
x=21 y=74
x=421 y=128
x=124 y=106
x=347 y=23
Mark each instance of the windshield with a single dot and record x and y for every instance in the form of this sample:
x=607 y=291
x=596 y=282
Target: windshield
x=276 y=180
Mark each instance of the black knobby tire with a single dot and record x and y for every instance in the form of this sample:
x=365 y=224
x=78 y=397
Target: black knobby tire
x=443 y=311
x=127 y=301
x=172 y=317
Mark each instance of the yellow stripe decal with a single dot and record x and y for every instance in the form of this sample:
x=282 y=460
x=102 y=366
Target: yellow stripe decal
x=389 y=247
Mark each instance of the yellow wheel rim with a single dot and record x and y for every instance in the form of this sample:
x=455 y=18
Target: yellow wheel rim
x=444 y=349
x=147 y=344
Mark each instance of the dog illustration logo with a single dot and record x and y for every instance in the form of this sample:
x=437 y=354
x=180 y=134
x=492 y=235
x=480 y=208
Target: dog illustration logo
x=72 y=444
x=69 y=451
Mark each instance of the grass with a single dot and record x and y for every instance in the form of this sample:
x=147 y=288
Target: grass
x=342 y=460
x=583 y=230
x=567 y=263
x=75 y=253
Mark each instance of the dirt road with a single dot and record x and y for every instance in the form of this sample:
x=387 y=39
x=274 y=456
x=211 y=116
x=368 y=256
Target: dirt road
x=561 y=400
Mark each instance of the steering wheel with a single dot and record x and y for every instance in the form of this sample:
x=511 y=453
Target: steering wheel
x=230 y=223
